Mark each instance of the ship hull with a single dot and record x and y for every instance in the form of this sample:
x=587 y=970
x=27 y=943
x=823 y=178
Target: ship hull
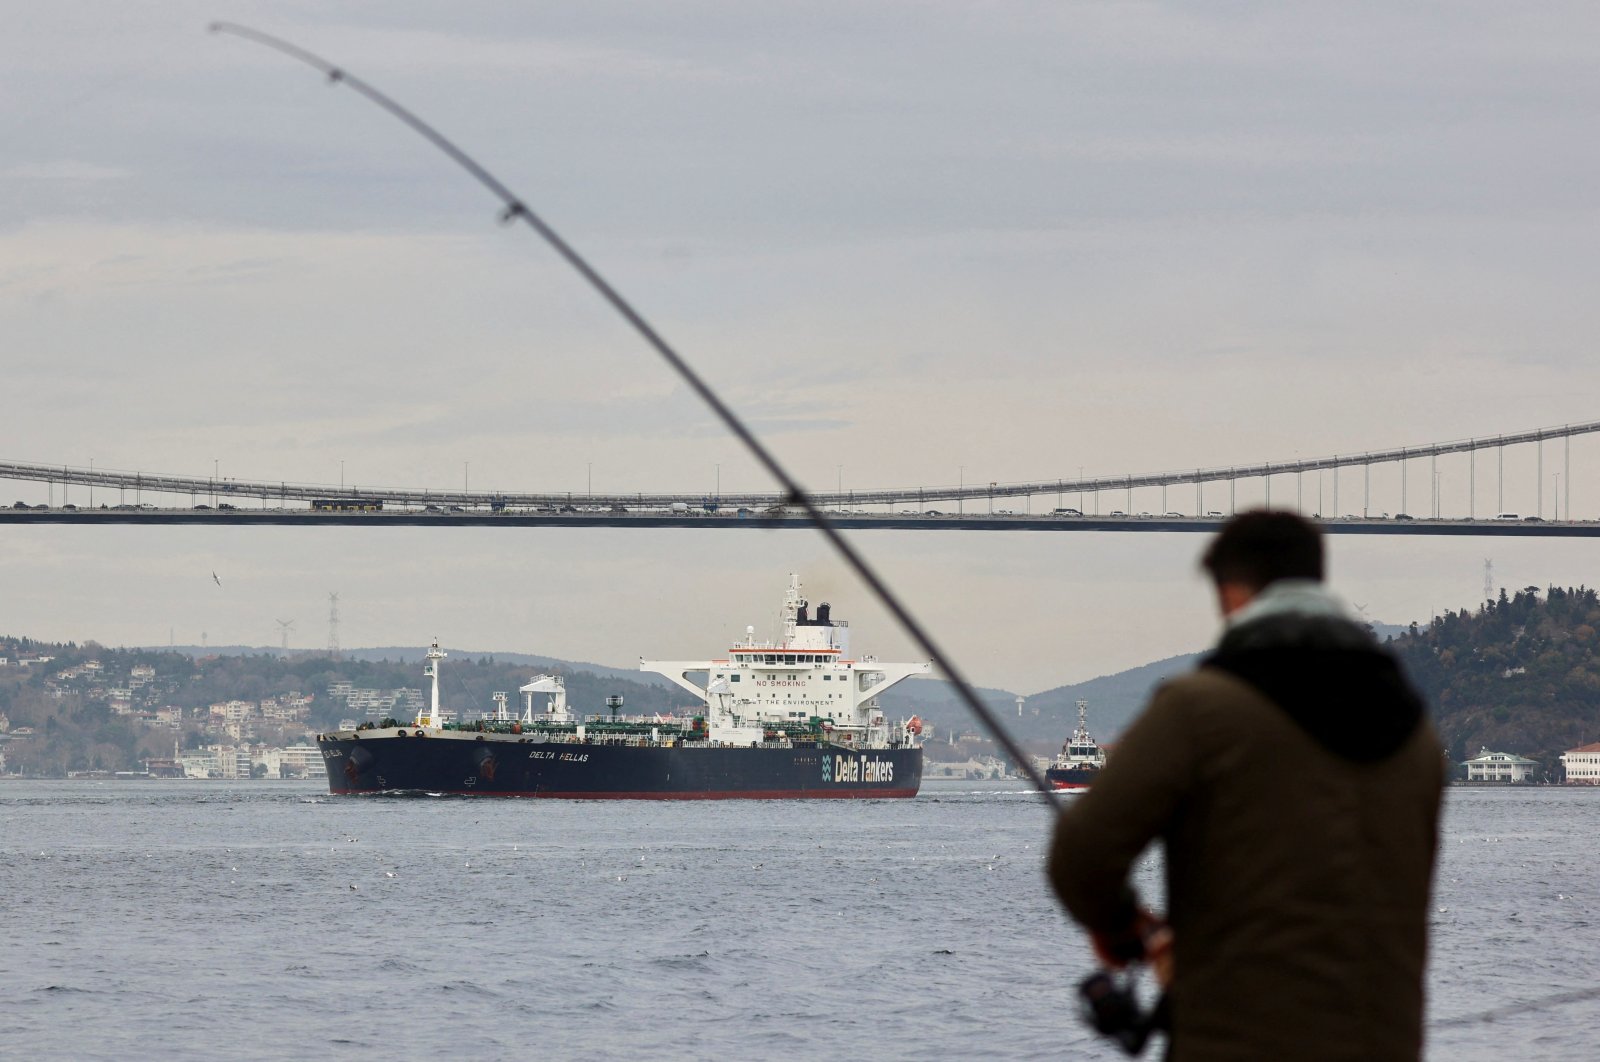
x=1070 y=777
x=469 y=764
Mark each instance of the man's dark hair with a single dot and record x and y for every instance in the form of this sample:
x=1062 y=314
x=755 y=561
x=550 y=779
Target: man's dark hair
x=1262 y=546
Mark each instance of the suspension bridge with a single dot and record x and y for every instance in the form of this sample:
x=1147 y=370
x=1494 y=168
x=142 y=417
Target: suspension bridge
x=1177 y=500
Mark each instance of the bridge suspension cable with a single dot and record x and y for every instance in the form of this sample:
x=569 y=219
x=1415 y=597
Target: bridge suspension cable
x=285 y=491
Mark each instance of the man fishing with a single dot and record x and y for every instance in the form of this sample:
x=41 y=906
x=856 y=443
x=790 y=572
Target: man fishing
x=1295 y=783
x=1296 y=764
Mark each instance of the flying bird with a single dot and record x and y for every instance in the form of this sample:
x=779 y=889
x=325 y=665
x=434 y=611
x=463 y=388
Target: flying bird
x=215 y=579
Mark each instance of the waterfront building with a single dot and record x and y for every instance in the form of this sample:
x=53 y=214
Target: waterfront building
x=1582 y=765
x=300 y=761
x=1489 y=766
x=977 y=767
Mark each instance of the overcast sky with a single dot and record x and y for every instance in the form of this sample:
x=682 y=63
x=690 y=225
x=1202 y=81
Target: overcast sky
x=913 y=242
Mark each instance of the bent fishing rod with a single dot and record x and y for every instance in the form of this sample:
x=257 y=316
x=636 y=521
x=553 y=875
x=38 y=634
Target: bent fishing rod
x=514 y=208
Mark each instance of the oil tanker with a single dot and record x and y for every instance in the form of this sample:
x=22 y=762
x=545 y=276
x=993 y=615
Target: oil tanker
x=795 y=717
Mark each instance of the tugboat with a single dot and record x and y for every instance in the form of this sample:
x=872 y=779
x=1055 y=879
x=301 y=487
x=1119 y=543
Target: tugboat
x=794 y=718
x=1080 y=759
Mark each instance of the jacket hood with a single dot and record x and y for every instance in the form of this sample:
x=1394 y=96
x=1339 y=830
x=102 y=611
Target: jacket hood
x=1299 y=647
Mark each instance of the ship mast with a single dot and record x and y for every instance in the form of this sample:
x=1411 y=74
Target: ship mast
x=431 y=670
x=792 y=604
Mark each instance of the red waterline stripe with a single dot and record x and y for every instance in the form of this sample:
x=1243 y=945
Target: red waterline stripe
x=760 y=794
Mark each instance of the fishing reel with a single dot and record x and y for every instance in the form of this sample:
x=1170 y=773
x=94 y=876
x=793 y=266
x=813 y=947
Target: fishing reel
x=1108 y=1002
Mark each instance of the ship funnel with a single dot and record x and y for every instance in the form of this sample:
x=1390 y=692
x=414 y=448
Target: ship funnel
x=800 y=617
x=822 y=615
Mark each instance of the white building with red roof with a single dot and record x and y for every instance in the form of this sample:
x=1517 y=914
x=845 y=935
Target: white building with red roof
x=1582 y=765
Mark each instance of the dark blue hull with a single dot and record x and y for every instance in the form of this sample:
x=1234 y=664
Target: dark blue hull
x=522 y=766
x=1071 y=777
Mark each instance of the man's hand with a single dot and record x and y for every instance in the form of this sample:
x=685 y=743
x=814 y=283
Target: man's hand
x=1158 y=953
x=1147 y=939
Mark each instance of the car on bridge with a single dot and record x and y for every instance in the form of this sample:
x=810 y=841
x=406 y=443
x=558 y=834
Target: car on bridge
x=361 y=505
x=1065 y=512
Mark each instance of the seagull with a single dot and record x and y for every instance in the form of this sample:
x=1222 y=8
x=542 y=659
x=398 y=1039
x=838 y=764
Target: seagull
x=215 y=579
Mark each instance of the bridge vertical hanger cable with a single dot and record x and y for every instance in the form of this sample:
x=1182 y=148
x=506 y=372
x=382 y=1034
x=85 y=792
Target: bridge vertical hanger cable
x=794 y=493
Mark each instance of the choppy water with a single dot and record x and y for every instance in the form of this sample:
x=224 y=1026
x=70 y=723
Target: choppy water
x=267 y=920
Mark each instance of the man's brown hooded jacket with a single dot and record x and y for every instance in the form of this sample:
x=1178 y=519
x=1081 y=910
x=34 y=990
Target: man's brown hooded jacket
x=1296 y=785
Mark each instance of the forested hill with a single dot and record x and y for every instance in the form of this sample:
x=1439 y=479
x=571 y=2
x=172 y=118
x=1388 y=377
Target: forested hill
x=1522 y=675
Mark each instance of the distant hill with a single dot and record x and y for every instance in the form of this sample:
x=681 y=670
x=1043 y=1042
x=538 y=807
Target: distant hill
x=413 y=654
x=1046 y=717
x=1521 y=675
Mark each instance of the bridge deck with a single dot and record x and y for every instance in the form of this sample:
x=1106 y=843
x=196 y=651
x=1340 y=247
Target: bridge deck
x=718 y=521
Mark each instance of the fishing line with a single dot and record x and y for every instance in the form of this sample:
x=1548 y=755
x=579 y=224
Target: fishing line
x=794 y=494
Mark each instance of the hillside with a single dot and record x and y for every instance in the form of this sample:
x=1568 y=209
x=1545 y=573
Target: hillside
x=69 y=707
x=1521 y=675
x=1048 y=717
x=412 y=656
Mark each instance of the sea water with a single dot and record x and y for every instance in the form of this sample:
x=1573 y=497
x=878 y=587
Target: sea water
x=265 y=920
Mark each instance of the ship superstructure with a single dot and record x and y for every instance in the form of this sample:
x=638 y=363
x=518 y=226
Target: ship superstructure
x=806 y=677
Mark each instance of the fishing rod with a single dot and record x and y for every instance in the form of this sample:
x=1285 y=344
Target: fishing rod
x=515 y=209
